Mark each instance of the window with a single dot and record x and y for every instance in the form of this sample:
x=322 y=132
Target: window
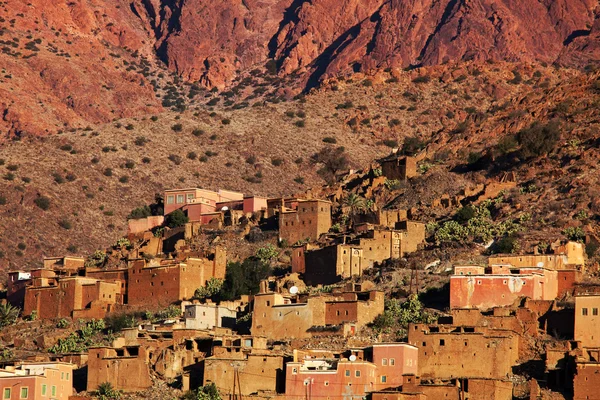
x=392 y=362
x=62 y=375
x=170 y=199
x=294 y=371
x=190 y=197
x=179 y=199
x=346 y=312
x=357 y=373
x=347 y=372
x=584 y=311
x=6 y=393
x=44 y=390
x=594 y=311
x=268 y=303
x=442 y=342
x=383 y=379
x=24 y=392
x=326 y=383
x=53 y=391
x=384 y=361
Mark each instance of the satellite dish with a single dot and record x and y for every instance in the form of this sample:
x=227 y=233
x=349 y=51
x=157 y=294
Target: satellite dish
x=540 y=264
x=294 y=290
x=352 y=357
x=225 y=208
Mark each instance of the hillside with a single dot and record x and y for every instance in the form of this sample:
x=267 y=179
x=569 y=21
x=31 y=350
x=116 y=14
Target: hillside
x=93 y=177
x=72 y=64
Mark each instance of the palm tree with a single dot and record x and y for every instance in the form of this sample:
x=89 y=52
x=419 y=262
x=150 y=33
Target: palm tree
x=8 y=314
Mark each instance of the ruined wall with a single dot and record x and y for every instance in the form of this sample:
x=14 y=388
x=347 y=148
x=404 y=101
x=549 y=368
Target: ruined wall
x=257 y=373
x=127 y=373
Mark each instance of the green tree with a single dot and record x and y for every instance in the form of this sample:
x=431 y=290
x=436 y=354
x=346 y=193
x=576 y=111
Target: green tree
x=8 y=314
x=212 y=287
x=539 y=139
x=244 y=278
x=332 y=161
x=267 y=253
x=176 y=219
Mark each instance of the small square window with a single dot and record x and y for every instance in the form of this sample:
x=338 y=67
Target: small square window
x=392 y=362
x=24 y=392
x=384 y=361
x=326 y=383
x=170 y=199
x=357 y=373
x=594 y=311
x=180 y=199
x=442 y=342
x=584 y=311
x=347 y=372
x=44 y=390
x=6 y=394
x=383 y=379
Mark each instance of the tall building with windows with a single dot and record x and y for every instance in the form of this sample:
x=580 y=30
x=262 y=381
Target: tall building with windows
x=37 y=381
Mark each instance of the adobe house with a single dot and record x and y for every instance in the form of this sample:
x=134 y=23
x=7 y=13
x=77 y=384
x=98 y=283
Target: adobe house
x=399 y=167
x=568 y=260
x=126 y=368
x=15 y=288
x=66 y=263
x=449 y=351
x=75 y=296
x=209 y=316
x=500 y=285
x=587 y=317
x=277 y=316
x=333 y=263
x=32 y=380
x=117 y=275
x=141 y=225
x=585 y=379
x=164 y=284
x=380 y=366
x=309 y=220
x=177 y=198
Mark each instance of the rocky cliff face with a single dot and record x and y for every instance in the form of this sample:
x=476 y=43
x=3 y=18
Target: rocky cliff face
x=210 y=41
x=82 y=62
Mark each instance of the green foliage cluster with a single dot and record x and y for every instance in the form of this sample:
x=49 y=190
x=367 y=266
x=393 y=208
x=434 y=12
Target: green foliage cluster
x=176 y=219
x=207 y=392
x=97 y=259
x=140 y=212
x=267 y=253
x=539 y=139
x=212 y=287
x=79 y=341
x=574 y=233
x=243 y=278
x=118 y=322
x=106 y=391
x=8 y=314
x=332 y=161
x=401 y=314
x=170 y=312
x=476 y=223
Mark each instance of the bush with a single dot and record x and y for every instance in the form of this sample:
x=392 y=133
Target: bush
x=42 y=202
x=539 y=139
x=118 y=322
x=422 y=79
x=332 y=161
x=251 y=160
x=299 y=180
x=226 y=121
x=2 y=200
x=177 y=128
x=175 y=159
x=412 y=145
x=140 y=141
x=129 y=164
x=197 y=132
x=146 y=160
x=345 y=105
x=176 y=219
x=506 y=245
x=464 y=214
x=65 y=224
x=300 y=123
x=329 y=139
x=390 y=143
x=140 y=212
x=124 y=179
x=575 y=234
x=108 y=172
x=130 y=127
x=243 y=278
x=276 y=161
x=506 y=144
x=12 y=167
x=192 y=155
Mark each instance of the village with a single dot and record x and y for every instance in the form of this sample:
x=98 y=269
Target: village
x=298 y=334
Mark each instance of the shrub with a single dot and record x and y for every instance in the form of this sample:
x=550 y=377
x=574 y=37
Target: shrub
x=276 y=161
x=464 y=214
x=345 y=105
x=124 y=179
x=176 y=219
x=130 y=127
x=177 y=128
x=154 y=118
x=106 y=391
x=42 y=202
x=108 y=172
x=367 y=83
x=8 y=314
x=9 y=176
x=175 y=159
x=197 y=132
x=66 y=147
x=300 y=123
x=213 y=136
x=390 y=143
x=422 y=79
x=251 y=160
x=575 y=234
x=412 y=145
x=299 y=180
x=298 y=160
x=129 y=164
x=473 y=157
x=140 y=141
x=192 y=155
x=517 y=78
x=506 y=144
x=329 y=139
x=226 y=121
x=12 y=167
x=301 y=114
x=2 y=200
x=65 y=224
x=394 y=122
x=506 y=245
x=332 y=160
x=539 y=139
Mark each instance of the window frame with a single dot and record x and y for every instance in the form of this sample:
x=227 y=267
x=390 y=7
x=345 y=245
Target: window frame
x=24 y=389
x=170 y=199
x=5 y=392
x=177 y=201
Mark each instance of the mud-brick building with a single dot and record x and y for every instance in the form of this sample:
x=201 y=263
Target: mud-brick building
x=209 y=316
x=587 y=316
x=360 y=372
x=399 y=167
x=126 y=368
x=568 y=260
x=73 y=296
x=332 y=263
x=448 y=351
x=277 y=316
x=166 y=283
x=500 y=285
x=37 y=381
x=309 y=220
